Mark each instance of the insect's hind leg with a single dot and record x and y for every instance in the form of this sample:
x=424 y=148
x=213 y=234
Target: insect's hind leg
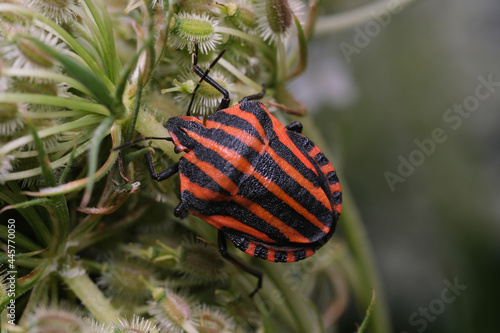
x=224 y=104
x=223 y=251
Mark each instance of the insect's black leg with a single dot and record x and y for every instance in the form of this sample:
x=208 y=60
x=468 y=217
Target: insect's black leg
x=180 y=211
x=258 y=95
x=232 y=260
x=204 y=77
x=294 y=126
x=167 y=173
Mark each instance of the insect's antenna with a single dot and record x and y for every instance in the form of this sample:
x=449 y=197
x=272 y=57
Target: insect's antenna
x=202 y=74
x=126 y=144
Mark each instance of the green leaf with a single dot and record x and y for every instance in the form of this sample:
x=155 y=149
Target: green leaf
x=81 y=73
x=12 y=195
x=93 y=158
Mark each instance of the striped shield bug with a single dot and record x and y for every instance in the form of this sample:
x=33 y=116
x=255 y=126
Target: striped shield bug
x=267 y=188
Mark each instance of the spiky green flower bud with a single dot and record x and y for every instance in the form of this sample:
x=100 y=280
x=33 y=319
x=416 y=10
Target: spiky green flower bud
x=190 y=27
x=201 y=263
x=60 y=11
x=49 y=320
x=277 y=18
x=172 y=311
x=136 y=325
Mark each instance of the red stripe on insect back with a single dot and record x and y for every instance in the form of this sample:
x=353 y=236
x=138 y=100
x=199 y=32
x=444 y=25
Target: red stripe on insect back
x=251 y=118
x=283 y=137
x=317 y=192
x=218 y=176
x=251 y=249
x=220 y=221
x=265 y=215
x=238 y=161
x=247 y=139
x=278 y=192
x=201 y=192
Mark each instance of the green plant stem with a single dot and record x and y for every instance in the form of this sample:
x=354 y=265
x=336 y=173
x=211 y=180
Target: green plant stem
x=346 y=20
x=256 y=41
x=281 y=70
x=93 y=157
x=364 y=324
x=359 y=245
x=236 y=72
x=89 y=294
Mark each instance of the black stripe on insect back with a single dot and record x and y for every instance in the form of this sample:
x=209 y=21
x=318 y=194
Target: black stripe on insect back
x=260 y=252
x=232 y=209
x=299 y=254
x=236 y=122
x=271 y=170
x=282 y=150
x=197 y=176
x=337 y=198
x=221 y=164
x=321 y=159
x=176 y=126
x=262 y=116
x=279 y=147
x=255 y=191
x=280 y=256
x=239 y=241
x=332 y=177
x=230 y=141
x=301 y=141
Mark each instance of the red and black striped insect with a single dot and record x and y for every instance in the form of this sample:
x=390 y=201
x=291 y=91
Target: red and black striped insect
x=267 y=188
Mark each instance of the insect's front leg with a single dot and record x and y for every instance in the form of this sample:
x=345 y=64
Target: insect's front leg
x=160 y=176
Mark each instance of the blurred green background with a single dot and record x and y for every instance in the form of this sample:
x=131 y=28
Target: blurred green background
x=437 y=225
